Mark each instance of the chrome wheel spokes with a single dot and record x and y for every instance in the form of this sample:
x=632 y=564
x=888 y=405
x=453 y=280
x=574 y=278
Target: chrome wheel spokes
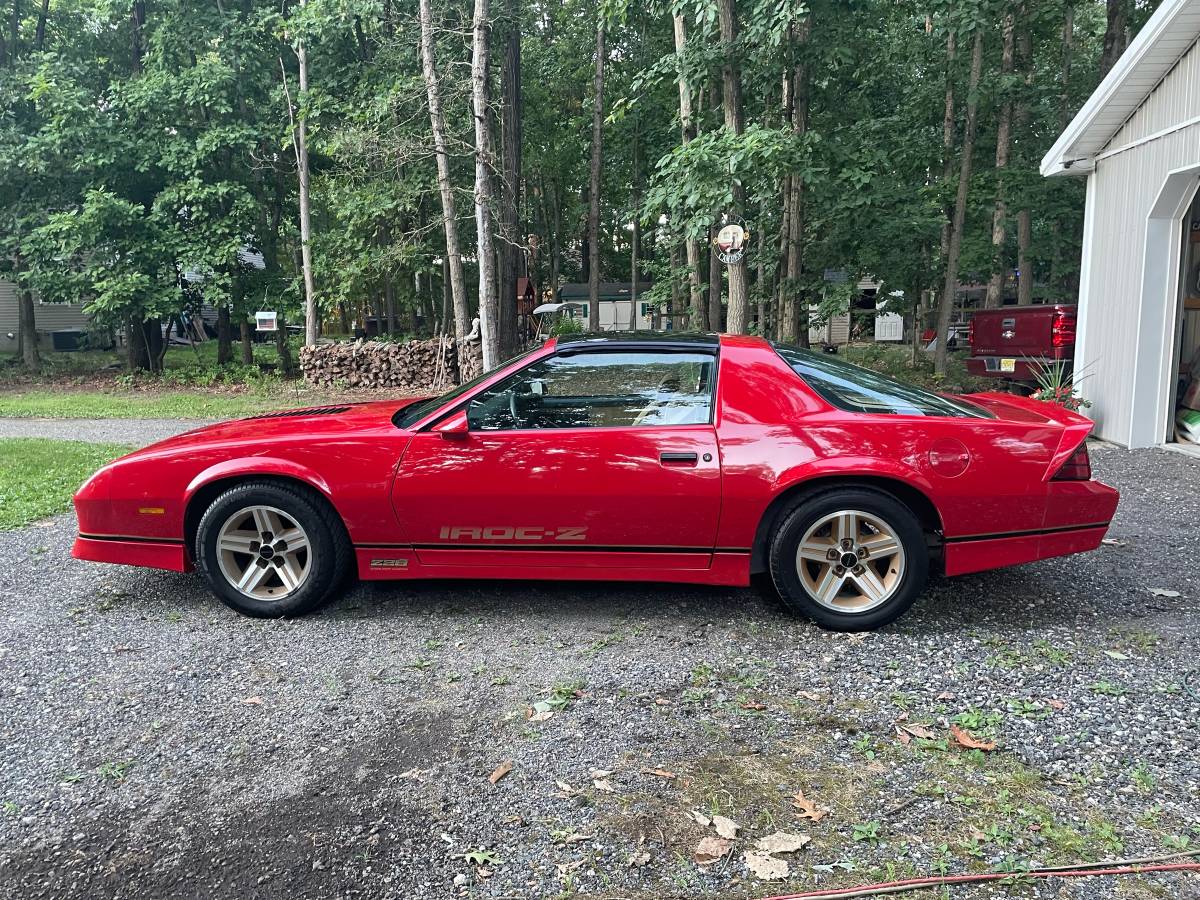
x=850 y=561
x=264 y=553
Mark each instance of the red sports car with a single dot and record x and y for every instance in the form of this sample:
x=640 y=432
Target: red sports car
x=687 y=458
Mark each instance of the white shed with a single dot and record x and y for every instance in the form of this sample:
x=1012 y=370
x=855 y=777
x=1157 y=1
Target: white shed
x=1137 y=141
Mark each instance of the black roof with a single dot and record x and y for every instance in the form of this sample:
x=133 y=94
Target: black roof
x=615 y=340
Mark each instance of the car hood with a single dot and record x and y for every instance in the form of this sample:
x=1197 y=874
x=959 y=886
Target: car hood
x=309 y=421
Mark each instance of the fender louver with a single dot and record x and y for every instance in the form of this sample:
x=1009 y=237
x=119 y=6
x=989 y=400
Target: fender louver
x=293 y=413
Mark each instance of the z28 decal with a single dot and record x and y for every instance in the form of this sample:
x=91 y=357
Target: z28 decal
x=522 y=533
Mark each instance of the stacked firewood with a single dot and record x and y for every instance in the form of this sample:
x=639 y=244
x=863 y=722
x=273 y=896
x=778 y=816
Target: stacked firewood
x=412 y=367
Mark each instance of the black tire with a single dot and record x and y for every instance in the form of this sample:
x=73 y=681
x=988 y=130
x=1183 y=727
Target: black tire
x=795 y=523
x=329 y=552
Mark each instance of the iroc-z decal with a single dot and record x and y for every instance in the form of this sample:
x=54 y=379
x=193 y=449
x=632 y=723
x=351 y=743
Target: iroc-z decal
x=519 y=533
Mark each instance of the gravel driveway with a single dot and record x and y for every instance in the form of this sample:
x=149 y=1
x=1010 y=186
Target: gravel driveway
x=157 y=745
x=139 y=432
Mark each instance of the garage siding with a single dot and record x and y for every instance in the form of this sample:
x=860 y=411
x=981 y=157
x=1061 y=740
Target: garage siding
x=48 y=316
x=1124 y=189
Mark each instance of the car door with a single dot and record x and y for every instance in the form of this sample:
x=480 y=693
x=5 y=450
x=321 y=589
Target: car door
x=590 y=457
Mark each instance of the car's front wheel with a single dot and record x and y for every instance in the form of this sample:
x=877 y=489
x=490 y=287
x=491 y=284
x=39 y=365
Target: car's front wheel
x=271 y=550
x=851 y=559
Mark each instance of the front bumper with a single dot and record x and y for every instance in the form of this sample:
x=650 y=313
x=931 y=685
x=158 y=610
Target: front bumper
x=127 y=551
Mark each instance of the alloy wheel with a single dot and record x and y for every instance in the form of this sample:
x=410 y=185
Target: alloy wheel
x=850 y=561
x=263 y=553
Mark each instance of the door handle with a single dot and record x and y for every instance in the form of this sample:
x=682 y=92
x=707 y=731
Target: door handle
x=678 y=459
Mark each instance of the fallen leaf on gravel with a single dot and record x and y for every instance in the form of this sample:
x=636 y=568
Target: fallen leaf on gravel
x=1056 y=704
x=1115 y=654
x=1114 y=543
x=782 y=842
x=699 y=818
x=539 y=716
x=599 y=773
x=914 y=730
x=766 y=867
x=639 y=859
x=603 y=784
x=903 y=736
x=659 y=773
x=253 y=701
x=500 y=771
x=966 y=739
x=710 y=850
x=565 y=869
x=726 y=828
x=756 y=706
x=1163 y=592
x=808 y=809
x=566 y=788
x=945 y=695
x=808 y=695
x=660 y=701
x=575 y=838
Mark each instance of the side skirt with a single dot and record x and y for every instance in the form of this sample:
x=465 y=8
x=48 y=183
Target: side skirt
x=400 y=563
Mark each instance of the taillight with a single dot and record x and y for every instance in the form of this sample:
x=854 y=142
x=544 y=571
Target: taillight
x=1062 y=332
x=1077 y=468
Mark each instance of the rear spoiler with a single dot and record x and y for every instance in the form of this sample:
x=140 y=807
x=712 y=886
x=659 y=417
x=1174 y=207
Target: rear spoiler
x=1075 y=428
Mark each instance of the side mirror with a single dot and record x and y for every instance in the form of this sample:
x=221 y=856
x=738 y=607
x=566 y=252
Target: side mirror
x=454 y=428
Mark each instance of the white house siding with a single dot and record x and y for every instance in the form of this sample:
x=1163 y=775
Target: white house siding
x=48 y=316
x=1121 y=194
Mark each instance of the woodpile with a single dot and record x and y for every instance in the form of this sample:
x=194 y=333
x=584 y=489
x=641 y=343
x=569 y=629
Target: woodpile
x=412 y=367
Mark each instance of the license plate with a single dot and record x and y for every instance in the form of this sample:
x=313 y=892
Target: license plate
x=1008 y=365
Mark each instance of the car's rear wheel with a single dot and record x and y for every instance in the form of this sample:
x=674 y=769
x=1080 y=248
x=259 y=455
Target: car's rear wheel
x=271 y=550
x=851 y=559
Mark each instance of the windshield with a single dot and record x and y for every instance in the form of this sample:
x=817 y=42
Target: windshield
x=860 y=390
x=409 y=415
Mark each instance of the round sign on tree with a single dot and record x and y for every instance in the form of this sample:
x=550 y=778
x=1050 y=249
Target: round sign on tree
x=731 y=242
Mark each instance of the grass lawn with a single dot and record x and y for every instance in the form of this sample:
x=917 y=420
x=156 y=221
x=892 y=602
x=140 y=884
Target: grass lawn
x=39 y=476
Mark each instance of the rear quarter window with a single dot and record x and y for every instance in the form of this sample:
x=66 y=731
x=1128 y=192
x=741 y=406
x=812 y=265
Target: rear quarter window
x=855 y=389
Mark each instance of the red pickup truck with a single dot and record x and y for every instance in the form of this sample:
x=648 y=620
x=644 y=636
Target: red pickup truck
x=1014 y=341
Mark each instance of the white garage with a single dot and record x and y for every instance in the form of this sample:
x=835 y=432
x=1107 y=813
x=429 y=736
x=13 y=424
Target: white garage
x=1137 y=141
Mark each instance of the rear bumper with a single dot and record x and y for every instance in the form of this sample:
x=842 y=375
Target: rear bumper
x=1078 y=514
x=1023 y=368
x=980 y=554
x=170 y=555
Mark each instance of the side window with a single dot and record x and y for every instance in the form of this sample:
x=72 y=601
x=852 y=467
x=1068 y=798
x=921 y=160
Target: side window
x=600 y=389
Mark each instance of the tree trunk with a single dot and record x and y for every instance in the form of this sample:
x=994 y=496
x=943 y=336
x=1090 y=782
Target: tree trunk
x=760 y=285
x=1068 y=49
x=1021 y=114
x=485 y=201
x=39 y=36
x=594 y=172
x=635 y=246
x=247 y=343
x=27 y=326
x=224 y=336
x=946 y=306
x=1024 y=258
x=510 y=141
x=1116 y=33
x=454 y=265
x=715 y=283
x=995 y=289
x=796 y=214
x=731 y=91
x=688 y=129
x=948 y=117
x=300 y=146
